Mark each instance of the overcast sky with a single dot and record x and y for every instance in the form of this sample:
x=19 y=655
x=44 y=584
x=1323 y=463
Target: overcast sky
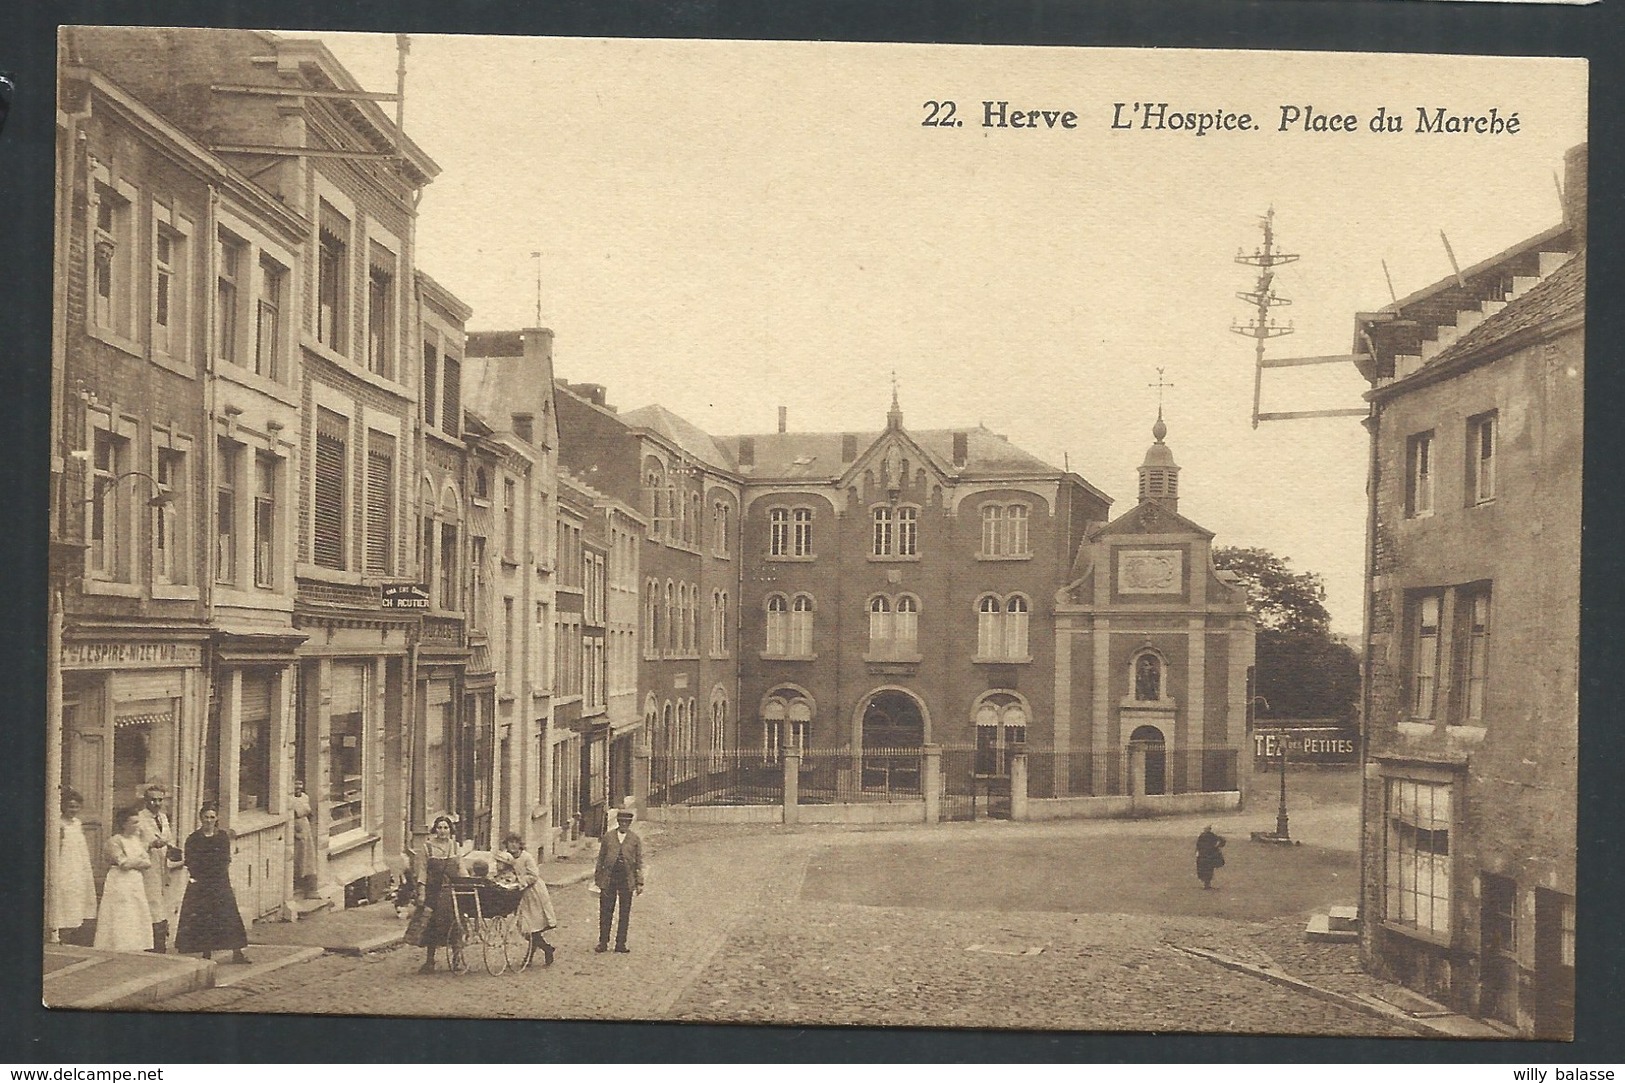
x=727 y=227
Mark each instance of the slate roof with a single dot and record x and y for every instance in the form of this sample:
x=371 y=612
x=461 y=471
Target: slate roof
x=817 y=455
x=685 y=434
x=1561 y=293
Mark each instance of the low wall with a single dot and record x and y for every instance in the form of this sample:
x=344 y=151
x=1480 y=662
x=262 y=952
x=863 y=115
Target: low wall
x=1106 y=808
x=878 y=812
x=715 y=814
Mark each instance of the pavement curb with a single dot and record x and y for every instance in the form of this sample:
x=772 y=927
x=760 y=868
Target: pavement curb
x=147 y=989
x=226 y=977
x=573 y=876
x=1462 y=1028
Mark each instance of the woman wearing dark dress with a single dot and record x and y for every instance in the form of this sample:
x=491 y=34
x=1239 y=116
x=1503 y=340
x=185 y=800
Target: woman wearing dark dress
x=210 y=921
x=437 y=863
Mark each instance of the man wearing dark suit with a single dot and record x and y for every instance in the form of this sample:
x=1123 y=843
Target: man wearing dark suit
x=619 y=876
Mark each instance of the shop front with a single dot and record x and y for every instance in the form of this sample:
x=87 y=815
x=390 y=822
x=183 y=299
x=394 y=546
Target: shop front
x=349 y=714
x=131 y=713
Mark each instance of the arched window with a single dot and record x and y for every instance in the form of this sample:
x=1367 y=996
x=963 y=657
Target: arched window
x=651 y=619
x=1015 y=627
x=778 y=625
x=989 y=626
x=654 y=484
x=801 y=625
x=719 y=730
x=906 y=624
x=719 y=528
x=692 y=534
x=880 y=624
x=778 y=532
x=1148 y=678
x=786 y=723
x=669 y=618
x=691 y=633
x=1004 y=530
x=992 y=529
x=1001 y=724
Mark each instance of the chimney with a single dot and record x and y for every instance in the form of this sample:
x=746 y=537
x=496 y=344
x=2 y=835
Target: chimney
x=961 y=448
x=747 y=451
x=849 y=447
x=1574 y=192
x=524 y=427
x=784 y=417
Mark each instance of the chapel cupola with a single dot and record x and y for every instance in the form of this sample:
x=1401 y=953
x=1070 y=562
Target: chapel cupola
x=1159 y=475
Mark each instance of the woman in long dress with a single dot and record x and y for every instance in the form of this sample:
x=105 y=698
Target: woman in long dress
x=124 y=922
x=536 y=915
x=304 y=838
x=210 y=921
x=437 y=863
x=73 y=895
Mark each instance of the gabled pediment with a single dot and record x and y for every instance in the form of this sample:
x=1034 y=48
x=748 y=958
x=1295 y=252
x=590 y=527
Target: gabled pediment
x=885 y=459
x=1150 y=518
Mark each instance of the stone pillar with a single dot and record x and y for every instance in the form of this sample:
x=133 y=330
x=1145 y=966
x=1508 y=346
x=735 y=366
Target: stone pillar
x=792 y=784
x=1018 y=782
x=640 y=779
x=931 y=781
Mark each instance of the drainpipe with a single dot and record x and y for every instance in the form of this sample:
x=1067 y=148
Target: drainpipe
x=54 y=620
x=1373 y=424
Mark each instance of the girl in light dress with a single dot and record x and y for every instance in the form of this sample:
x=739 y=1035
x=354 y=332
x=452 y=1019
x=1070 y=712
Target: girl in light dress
x=73 y=896
x=124 y=922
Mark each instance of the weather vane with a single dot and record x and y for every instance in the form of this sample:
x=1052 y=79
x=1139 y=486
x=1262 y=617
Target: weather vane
x=1159 y=385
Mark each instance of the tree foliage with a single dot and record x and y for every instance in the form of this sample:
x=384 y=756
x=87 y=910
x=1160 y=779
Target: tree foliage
x=1303 y=671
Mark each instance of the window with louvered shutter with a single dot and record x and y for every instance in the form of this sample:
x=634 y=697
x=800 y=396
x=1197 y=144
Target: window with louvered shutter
x=332 y=442
x=380 y=502
x=431 y=384
x=452 y=400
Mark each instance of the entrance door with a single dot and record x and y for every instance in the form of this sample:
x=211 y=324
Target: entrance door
x=1554 y=965
x=1148 y=743
x=1498 y=948
x=84 y=767
x=892 y=721
x=259 y=861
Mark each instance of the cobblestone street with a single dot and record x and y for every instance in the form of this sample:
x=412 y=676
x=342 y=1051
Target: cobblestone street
x=1073 y=926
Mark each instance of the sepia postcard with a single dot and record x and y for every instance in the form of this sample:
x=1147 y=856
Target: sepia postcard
x=1037 y=538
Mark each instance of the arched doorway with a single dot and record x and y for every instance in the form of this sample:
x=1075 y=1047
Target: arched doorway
x=1146 y=746
x=893 y=719
x=893 y=731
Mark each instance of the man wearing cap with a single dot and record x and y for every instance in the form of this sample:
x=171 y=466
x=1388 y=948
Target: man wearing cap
x=619 y=876
x=160 y=836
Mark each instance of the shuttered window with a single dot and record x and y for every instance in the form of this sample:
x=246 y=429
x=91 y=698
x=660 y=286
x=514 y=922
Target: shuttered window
x=380 y=502
x=452 y=400
x=431 y=384
x=332 y=442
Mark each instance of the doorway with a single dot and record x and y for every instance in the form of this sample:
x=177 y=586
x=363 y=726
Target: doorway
x=1498 y=948
x=1146 y=744
x=892 y=723
x=1554 y=965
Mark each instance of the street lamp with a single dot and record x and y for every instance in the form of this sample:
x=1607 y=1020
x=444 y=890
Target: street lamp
x=53 y=678
x=1281 y=833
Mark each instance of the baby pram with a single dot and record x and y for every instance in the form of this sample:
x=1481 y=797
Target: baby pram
x=484 y=919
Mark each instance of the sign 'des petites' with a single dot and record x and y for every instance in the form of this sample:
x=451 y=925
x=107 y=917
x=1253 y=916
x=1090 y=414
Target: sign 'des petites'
x=406 y=596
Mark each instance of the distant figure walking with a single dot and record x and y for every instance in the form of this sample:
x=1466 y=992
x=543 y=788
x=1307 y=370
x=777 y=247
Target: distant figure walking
x=618 y=876
x=1209 y=855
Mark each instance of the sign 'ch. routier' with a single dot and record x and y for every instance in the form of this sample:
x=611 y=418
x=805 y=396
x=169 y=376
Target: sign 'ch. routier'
x=90 y=655
x=405 y=596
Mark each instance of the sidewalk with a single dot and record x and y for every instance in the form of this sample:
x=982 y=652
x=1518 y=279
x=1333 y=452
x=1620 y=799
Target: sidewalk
x=90 y=978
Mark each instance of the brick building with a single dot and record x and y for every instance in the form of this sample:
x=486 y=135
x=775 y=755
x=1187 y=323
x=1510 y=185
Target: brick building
x=1154 y=673
x=238 y=373
x=1468 y=872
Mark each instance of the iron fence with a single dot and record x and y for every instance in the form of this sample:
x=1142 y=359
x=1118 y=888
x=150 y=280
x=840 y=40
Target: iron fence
x=730 y=777
x=848 y=776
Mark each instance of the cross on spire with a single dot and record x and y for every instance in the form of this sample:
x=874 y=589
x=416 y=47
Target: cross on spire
x=894 y=419
x=1160 y=385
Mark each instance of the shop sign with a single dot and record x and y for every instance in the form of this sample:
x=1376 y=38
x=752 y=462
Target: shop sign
x=88 y=655
x=406 y=596
x=1305 y=744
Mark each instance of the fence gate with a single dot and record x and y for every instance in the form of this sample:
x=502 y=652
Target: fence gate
x=967 y=795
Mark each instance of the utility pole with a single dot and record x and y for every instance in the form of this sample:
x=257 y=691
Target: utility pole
x=1262 y=326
